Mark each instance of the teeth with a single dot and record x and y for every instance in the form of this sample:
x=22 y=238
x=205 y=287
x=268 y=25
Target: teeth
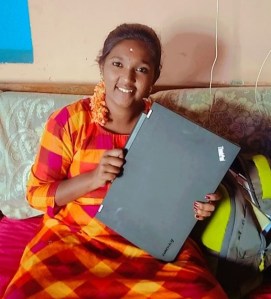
x=125 y=90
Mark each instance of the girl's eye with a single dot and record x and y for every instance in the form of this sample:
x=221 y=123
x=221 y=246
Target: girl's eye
x=142 y=70
x=117 y=64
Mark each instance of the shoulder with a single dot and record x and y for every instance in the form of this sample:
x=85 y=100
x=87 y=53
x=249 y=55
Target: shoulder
x=70 y=119
x=75 y=111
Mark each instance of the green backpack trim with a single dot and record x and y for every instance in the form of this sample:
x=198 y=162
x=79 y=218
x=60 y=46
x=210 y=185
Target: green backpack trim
x=218 y=223
x=264 y=173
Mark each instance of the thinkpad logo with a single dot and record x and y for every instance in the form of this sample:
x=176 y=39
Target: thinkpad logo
x=221 y=153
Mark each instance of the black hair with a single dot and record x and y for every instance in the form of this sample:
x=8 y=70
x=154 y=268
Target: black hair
x=134 y=31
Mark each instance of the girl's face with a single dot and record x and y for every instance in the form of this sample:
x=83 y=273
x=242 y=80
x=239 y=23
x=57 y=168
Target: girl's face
x=128 y=74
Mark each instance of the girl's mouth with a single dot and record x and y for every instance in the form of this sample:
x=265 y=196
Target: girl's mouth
x=124 y=90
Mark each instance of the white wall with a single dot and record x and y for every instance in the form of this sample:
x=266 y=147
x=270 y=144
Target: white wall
x=68 y=34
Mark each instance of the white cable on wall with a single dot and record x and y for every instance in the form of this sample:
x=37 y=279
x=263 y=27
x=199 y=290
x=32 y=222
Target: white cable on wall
x=216 y=45
x=215 y=59
x=256 y=84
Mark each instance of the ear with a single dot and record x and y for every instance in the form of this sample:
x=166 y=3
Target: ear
x=102 y=71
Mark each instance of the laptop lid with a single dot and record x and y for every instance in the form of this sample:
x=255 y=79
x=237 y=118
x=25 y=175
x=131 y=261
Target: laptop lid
x=170 y=163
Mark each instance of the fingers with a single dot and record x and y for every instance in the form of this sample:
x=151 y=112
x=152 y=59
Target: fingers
x=205 y=209
x=116 y=152
x=111 y=165
x=212 y=197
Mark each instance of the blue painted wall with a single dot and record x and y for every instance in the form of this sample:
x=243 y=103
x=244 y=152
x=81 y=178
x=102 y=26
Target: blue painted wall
x=15 y=32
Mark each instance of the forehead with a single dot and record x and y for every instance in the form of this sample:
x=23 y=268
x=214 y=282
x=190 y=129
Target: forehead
x=132 y=49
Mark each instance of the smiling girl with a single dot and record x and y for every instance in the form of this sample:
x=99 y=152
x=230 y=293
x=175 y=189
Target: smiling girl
x=81 y=152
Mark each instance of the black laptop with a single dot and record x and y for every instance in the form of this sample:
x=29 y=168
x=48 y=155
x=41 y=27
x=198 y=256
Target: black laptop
x=170 y=163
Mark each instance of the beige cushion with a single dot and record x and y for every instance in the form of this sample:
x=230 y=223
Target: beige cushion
x=232 y=112
x=22 y=119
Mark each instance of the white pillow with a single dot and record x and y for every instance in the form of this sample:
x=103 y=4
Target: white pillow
x=22 y=119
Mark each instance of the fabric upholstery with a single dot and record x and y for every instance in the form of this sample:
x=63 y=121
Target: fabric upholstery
x=22 y=118
x=237 y=113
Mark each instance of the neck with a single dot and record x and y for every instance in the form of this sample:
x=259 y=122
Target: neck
x=122 y=121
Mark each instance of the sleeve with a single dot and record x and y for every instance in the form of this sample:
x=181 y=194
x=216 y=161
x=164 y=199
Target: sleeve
x=52 y=162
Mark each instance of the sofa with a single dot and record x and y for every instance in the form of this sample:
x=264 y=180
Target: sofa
x=240 y=114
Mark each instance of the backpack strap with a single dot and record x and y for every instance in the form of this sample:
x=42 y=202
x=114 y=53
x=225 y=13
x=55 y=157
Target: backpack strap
x=264 y=172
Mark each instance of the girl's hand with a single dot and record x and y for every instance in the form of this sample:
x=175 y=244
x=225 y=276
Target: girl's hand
x=109 y=167
x=203 y=210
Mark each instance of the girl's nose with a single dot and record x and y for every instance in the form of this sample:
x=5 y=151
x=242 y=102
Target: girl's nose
x=128 y=75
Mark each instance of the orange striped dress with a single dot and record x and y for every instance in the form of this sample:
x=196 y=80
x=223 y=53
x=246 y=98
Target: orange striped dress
x=74 y=255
